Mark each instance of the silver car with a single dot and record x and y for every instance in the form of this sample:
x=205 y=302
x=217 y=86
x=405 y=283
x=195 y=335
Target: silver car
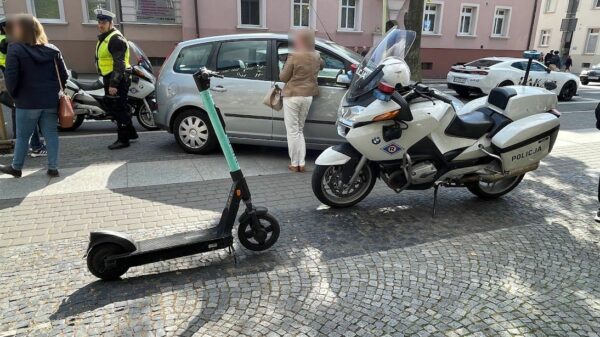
x=251 y=65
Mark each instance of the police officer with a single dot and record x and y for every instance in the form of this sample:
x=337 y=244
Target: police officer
x=3 y=43
x=112 y=59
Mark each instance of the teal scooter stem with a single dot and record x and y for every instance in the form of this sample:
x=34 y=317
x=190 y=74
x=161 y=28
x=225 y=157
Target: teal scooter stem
x=110 y=254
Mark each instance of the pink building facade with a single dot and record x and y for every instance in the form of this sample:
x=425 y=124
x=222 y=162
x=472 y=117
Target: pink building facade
x=454 y=31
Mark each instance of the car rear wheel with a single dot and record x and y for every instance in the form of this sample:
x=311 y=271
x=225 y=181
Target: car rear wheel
x=194 y=132
x=585 y=82
x=568 y=91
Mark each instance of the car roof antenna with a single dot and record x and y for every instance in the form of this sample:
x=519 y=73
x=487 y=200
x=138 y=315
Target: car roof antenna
x=322 y=25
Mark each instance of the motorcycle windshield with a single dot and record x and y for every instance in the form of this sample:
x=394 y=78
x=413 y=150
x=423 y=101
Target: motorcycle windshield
x=140 y=57
x=396 y=44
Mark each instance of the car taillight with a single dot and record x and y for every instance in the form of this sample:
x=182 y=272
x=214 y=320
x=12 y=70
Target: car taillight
x=385 y=88
x=479 y=72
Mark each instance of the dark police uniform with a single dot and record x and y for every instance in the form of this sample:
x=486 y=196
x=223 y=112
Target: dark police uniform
x=112 y=59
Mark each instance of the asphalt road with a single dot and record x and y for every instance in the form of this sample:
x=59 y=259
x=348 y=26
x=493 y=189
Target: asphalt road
x=577 y=114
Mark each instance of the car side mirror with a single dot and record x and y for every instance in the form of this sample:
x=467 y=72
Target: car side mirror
x=550 y=85
x=343 y=79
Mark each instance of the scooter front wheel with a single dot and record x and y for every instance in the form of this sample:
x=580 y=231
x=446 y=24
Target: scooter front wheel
x=96 y=261
x=261 y=238
x=329 y=188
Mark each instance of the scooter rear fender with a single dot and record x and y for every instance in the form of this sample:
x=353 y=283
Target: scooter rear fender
x=338 y=155
x=100 y=237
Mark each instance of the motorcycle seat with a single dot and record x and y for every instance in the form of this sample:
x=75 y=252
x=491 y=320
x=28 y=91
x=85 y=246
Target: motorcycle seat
x=89 y=87
x=472 y=124
x=500 y=96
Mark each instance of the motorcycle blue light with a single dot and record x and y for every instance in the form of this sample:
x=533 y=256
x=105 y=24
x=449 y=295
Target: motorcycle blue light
x=381 y=96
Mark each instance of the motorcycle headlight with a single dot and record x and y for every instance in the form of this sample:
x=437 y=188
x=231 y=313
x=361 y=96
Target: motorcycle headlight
x=349 y=113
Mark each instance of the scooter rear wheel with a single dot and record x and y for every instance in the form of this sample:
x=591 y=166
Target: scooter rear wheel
x=262 y=239
x=95 y=261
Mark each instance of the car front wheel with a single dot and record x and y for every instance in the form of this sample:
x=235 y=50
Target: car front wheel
x=194 y=132
x=568 y=91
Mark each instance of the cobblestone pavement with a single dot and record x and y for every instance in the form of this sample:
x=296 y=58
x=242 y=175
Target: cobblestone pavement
x=524 y=265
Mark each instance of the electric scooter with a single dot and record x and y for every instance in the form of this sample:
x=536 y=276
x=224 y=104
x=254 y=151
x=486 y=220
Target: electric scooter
x=110 y=254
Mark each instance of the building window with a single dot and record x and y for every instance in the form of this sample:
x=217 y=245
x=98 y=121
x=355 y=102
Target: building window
x=591 y=42
x=155 y=11
x=432 y=15
x=301 y=13
x=501 y=22
x=251 y=13
x=47 y=11
x=89 y=6
x=468 y=20
x=349 y=15
x=550 y=6
x=544 y=38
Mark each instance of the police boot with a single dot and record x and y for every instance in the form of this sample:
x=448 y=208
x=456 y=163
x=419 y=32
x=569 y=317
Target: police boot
x=122 y=140
x=132 y=134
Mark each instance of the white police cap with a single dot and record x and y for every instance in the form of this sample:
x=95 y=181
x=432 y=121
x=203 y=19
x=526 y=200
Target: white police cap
x=104 y=15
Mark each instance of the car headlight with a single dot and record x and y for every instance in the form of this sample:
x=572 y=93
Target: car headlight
x=584 y=72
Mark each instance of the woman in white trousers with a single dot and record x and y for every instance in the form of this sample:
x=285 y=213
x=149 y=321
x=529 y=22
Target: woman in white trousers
x=300 y=77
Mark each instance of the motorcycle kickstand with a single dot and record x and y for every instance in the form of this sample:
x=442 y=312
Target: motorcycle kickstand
x=436 y=186
x=232 y=253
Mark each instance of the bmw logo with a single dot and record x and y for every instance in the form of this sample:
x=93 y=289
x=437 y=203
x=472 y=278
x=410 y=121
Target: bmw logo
x=376 y=140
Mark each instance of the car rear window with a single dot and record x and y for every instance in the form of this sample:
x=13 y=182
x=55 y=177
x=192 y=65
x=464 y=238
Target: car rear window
x=483 y=63
x=192 y=58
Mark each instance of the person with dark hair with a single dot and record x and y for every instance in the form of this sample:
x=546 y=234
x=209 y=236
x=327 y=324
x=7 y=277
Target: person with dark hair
x=568 y=63
x=555 y=61
x=548 y=57
x=112 y=59
x=390 y=24
x=34 y=73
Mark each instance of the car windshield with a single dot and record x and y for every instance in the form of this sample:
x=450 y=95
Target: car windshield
x=396 y=44
x=482 y=63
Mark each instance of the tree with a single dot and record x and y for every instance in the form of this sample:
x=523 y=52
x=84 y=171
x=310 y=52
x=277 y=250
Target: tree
x=413 y=20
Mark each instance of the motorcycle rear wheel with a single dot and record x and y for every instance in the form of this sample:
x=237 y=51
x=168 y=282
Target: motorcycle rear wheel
x=329 y=189
x=496 y=189
x=77 y=121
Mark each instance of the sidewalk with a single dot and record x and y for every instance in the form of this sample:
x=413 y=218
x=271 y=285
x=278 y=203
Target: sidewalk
x=119 y=173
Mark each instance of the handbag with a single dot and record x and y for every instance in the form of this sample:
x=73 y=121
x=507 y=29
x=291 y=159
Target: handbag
x=273 y=98
x=66 y=115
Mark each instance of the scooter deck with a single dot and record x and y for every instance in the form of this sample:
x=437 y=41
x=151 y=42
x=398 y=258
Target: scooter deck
x=173 y=246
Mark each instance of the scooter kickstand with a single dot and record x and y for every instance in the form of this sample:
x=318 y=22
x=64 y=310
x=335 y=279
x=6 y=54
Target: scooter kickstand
x=232 y=253
x=436 y=186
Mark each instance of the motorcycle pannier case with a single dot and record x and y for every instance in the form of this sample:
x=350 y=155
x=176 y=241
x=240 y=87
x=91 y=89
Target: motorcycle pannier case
x=526 y=141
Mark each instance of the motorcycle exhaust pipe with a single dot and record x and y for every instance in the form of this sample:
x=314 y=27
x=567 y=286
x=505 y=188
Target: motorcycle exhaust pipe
x=490 y=178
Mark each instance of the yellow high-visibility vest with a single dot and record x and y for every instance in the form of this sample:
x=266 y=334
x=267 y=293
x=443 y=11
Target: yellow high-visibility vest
x=2 y=55
x=104 y=59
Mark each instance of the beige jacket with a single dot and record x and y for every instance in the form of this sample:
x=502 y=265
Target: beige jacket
x=300 y=74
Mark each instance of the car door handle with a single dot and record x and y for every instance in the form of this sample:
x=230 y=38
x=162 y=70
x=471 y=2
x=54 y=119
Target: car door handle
x=218 y=88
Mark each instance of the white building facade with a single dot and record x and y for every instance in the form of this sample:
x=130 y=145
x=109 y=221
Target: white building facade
x=573 y=28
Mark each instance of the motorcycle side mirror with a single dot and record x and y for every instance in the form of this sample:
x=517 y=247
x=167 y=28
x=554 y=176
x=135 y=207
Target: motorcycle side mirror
x=550 y=85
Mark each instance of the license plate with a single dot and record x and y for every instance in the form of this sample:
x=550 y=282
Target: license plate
x=593 y=77
x=460 y=80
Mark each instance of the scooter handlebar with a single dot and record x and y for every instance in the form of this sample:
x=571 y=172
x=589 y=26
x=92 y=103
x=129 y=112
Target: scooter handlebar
x=202 y=78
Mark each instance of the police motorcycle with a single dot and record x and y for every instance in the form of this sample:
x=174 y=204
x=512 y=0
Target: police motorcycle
x=415 y=138
x=88 y=99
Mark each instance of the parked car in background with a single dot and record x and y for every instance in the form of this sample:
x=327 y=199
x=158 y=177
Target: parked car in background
x=481 y=76
x=590 y=75
x=251 y=64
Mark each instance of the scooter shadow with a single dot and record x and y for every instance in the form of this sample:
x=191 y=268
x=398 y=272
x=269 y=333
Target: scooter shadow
x=101 y=293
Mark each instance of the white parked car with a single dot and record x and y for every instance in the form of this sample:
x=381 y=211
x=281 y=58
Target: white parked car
x=483 y=75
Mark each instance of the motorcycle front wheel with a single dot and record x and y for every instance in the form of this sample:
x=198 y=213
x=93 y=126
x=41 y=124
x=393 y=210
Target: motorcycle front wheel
x=145 y=118
x=329 y=188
